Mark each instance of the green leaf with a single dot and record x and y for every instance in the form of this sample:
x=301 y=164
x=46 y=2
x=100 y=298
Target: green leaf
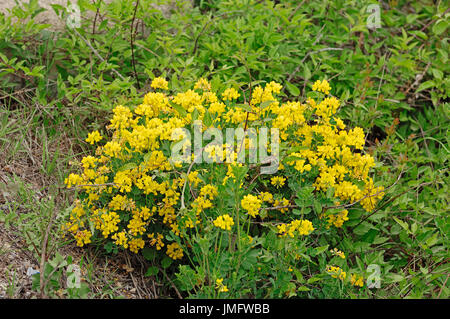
x=321 y=249
x=317 y=207
x=431 y=241
x=166 y=262
x=127 y=166
x=440 y=26
x=265 y=104
x=149 y=253
x=179 y=109
x=392 y=278
x=207 y=120
x=363 y=228
x=292 y=89
x=401 y=223
x=307 y=258
x=313 y=280
x=245 y=107
x=152 y=271
x=306 y=73
x=194 y=115
x=425 y=85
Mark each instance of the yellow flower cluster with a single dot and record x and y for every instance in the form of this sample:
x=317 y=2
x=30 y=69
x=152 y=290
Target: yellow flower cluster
x=300 y=226
x=278 y=181
x=205 y=198
x=356 y=280
x=220 y=286
x=174 y=251
x=107 y=223
x=94 y=137
x=322 y=86
x=337 y=252
x=251 y=204
x=160 y=83
x=136 y=244
x=83 y=237
x=282 y=204
x=230 y=94
x=337 y=219
x=224 y=222
x=336 y=272
x=266 y=197
x=202 y=84
x=156 y=241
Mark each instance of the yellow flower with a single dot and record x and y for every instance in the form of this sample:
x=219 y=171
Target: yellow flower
x=112 y=149
x=302 y=227
x=217 y=107
x=324 y=155
x=220 y=286
x=160 y=83
x=337 y=219
x=266 y=197
x=73 y=180
x=277 y=181
x=209 y=191
x=321 y=86
x=337 y=252
x=174 y=251
x=230 y=94
x=120 y=239
x=282 y=203
x=251 y=204
x=108 y=223
x=93 y=137
x=356 y=280
x=224 y=222
x=136 y=244
x=336 y=272
x=156 y=241
x=83 y=238
x=202 y=84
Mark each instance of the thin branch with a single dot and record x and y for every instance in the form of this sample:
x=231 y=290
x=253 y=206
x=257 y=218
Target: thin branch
x=187 y=176
x=95 y=19
x=418 y=78
x=92 y=185
x=44 y=251
x=295 y=10
x=171 y=282
x=132 y=45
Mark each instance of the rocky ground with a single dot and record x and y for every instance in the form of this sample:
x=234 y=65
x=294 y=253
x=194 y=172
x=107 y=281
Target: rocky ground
x=48 y=16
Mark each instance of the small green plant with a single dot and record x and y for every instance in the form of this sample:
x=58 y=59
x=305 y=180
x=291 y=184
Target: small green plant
x=61 y=279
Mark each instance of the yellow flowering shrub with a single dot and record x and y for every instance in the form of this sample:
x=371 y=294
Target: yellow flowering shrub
x=134 y=195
